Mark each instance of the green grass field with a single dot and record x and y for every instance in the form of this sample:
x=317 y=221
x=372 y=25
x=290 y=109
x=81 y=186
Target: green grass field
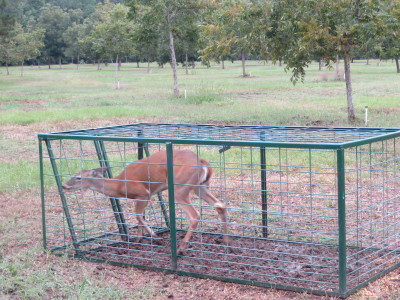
x=213 y=95
x=64 y=99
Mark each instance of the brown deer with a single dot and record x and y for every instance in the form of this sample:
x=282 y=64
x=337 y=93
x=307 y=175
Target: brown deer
x=148 y=176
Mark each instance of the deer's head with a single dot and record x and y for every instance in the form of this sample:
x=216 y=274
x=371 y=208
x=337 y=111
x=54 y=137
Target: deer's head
x=85 y=179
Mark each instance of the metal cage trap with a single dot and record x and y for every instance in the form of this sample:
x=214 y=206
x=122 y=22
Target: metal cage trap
x=307 y=208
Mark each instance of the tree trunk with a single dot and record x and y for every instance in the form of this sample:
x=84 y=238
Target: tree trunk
x=77 y=62
x=137 y=64
x=49 y=62
x=337 y=68
x=59 y=62
x=148 y=66
x=22 y=69
x=8 y=71
x=173 y=62
x=320 y=65
x=397 y=64
x=244 y=64
x=186 y=64
x=98 y=65
x=223 y=64
x=349 y=89
x=117 y=67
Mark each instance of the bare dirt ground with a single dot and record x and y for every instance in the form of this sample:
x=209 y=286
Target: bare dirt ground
x=20 y=218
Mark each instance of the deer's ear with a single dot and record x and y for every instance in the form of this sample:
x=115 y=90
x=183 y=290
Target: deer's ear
x=98 y=171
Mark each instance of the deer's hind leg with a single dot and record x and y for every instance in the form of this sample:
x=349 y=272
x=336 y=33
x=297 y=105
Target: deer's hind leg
x=142 y=224
x=204 y=193
x=193 y=215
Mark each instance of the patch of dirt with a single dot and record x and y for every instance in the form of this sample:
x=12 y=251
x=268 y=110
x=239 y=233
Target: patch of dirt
x=390 y=110
x=276 y=262
x=18 y=94
x=26 y=105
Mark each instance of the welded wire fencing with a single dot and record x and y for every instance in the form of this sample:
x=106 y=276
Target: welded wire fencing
x=313 y=209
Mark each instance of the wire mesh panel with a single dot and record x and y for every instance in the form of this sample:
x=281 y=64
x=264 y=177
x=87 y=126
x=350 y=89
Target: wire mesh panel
x=298 y=208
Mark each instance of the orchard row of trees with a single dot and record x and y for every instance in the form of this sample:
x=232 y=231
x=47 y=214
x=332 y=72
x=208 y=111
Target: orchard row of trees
x=292 y=32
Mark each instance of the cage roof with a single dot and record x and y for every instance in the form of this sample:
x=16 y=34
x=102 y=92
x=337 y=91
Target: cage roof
x=314 y=137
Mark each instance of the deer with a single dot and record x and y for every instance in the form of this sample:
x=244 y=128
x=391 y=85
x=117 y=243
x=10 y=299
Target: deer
x=146 y=177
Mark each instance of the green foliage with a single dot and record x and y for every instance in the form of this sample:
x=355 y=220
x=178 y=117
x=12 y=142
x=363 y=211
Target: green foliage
x=55 y=22
x=235 y=28
x=7 y=19
x=111 y=33
x=23 y=44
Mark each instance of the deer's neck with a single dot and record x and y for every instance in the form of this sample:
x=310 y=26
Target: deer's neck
x=106 y=186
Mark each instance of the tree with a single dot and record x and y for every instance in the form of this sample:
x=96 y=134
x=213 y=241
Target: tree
x=390 y=35
x=112 y=34
x=7 y=21
x=74 y=39
x=28 y=43
x=329 y=28
x=218 y=46
x=56 y=21
x=23 y=44
x=235 y=28
x=148 y=37
x=170 y=16
x=7 y=18
x=188 y=45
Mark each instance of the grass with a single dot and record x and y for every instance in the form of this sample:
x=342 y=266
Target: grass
x=212 y=95
x=63 y=99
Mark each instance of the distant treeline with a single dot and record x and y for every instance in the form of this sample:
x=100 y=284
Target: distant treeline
x=63 y=31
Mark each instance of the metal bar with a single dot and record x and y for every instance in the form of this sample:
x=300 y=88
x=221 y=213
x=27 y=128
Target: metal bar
x=145 y=146
x=171 y=199
x=110 y=175
x=141 y=146
x=115 y=204
x=328 y=146
x=361 y=129
x=264 y=200
x=341 y=221
x=62 y=196
x=42 y=195
x=204 y=276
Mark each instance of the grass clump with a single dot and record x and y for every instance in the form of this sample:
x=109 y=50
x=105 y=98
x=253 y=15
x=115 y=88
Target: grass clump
x=205 y=94
x=21 y=279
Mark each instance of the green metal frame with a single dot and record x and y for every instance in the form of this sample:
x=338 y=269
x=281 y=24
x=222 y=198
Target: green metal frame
x=262 y=138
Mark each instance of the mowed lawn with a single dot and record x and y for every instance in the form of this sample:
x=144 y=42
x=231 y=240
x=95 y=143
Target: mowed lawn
x=46 y=100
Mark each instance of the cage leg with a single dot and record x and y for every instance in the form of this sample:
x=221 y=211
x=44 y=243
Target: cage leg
x=144 y=148
x=341 y=186
x=171 y=199
x=264 y=201
x=62 y=196
x=115 y=204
